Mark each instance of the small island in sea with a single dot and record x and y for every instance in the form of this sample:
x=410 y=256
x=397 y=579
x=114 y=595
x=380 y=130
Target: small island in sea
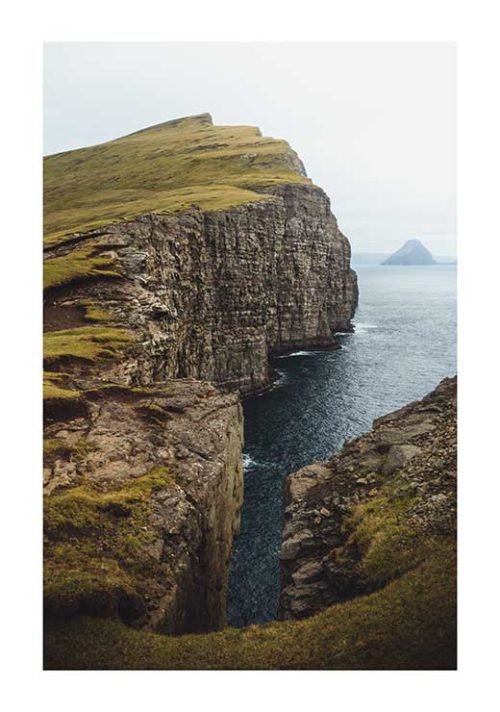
x=411 y=253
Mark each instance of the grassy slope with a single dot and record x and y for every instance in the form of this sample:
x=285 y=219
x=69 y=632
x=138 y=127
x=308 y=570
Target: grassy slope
x=165 y=168
x=89 y=344
x=80 y=264
x=409 y=624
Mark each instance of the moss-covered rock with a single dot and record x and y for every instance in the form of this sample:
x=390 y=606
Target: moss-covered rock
x=142 y=499
x=87 y=343
x=97 y=545
x=77 y=266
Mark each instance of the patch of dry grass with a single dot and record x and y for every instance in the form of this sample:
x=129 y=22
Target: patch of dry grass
x=165 y=168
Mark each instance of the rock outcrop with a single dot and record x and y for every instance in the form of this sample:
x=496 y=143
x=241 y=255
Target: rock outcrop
x=411 y=253
x=143 y=494
x=213 y=295
x=376 y=510
x=177 y=260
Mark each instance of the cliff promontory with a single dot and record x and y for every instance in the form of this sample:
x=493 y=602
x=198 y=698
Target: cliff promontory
x=177 y=260
x=208 y=242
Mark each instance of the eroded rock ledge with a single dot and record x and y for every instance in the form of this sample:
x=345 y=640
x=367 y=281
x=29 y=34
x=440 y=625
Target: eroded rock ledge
x=143 y=500
x=377 y=509
x=212 y=295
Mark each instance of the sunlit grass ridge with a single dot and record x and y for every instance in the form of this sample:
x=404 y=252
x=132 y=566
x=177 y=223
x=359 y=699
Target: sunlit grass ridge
x=164 y=168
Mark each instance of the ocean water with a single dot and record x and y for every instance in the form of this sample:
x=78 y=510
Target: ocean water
x=404 y=344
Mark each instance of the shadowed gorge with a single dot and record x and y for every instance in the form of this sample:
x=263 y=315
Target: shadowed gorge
x=369 y=567
x=406 y=318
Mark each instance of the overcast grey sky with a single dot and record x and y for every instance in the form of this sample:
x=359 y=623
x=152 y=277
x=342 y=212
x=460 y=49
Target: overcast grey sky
x=374 y=123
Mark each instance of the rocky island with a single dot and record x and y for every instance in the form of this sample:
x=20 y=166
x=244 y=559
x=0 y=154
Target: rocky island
x=411 y=253
x=177 y=261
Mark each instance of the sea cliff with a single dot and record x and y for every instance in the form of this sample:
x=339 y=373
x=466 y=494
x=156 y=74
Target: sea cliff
x=177 y=260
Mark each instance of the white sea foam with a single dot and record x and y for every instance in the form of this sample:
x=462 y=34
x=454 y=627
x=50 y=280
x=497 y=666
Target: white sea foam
x=360 y=328
x=247 y=461
x=281 y=380
x=299 y=353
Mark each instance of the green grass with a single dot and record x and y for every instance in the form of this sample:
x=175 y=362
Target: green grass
x=53 y=447
x=78 y=265
x=409 y=624
x=384 y=536
x=95 y=313
x=165 y=168
x=78 y=510
x=87 y=343
x=52 y=390
x=96 y=543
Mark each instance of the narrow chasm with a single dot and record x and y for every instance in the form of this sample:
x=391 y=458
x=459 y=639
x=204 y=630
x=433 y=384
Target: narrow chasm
x=323 y=398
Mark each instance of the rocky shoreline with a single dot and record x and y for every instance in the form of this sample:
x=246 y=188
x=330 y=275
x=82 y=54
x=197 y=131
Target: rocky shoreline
x=371 y=512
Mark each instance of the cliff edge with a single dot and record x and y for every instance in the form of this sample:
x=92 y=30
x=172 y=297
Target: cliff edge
x=176 y=260
x=240 y=258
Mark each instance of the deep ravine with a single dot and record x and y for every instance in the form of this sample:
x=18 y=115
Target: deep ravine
x=404 y=344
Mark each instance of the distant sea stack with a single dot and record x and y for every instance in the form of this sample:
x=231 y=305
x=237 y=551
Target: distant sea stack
x=412 y=253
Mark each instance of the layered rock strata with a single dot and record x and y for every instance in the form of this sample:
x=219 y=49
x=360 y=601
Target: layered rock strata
x=213 y=295
x=379 y=508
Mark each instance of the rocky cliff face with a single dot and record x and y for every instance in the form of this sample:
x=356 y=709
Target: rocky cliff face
x=143 y=492
x=379 y=508
x=212 y=295
x=177 y=260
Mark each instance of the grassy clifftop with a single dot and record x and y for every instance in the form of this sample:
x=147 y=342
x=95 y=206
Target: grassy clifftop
x=164 y=168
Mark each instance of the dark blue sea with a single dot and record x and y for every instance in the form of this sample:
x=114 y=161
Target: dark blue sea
x=404 y=343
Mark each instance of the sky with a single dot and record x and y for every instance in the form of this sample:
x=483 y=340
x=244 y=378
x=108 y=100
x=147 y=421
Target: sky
x=374 y=123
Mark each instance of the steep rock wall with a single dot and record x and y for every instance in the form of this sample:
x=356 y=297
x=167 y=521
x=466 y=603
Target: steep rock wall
x=142 y=500
x=212 y=294
x=379 y=508
x=178 y=259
